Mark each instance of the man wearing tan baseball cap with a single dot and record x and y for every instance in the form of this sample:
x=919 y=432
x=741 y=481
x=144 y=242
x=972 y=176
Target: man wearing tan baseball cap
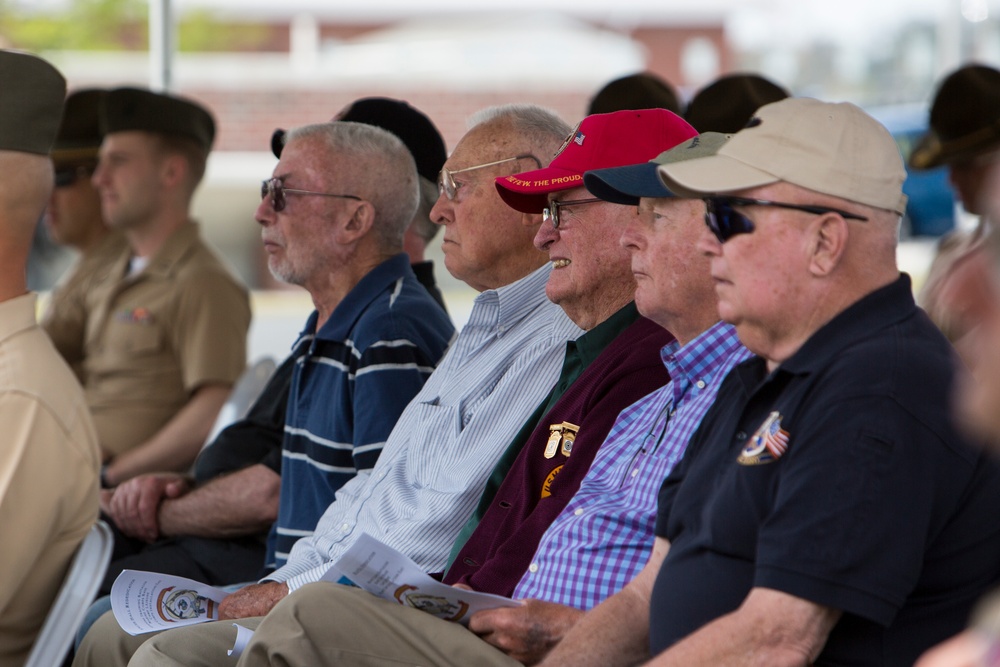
x=49 y=460
x=827 y=512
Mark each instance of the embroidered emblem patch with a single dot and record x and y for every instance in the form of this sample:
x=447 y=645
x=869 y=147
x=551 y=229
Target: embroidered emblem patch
x=768 y=444
x=135 y=316
x=561 y=438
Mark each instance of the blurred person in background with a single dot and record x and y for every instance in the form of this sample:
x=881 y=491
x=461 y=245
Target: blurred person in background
x=726 y=104
x=964 y=135
x=73 y=219
x=643 y=90
x=164 y=334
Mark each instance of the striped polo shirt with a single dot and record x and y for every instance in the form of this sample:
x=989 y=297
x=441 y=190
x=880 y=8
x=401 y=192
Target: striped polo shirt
x=352 y=380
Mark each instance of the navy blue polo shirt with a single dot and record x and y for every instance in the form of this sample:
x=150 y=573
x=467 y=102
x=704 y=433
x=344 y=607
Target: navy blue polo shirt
x=840 y=479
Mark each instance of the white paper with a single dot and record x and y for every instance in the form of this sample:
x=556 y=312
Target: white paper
x=243 y=636
x=383 y=571
x=147 y=601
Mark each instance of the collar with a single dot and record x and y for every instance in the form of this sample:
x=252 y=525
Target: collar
x=17 y=315
x=699 y=360
x=873 y=312
x=174 y=250
x=502 y=308
x=374 y=283
x=593 y=342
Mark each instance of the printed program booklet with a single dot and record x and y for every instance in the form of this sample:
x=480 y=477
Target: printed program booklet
x=147 y=601
x=383 y=571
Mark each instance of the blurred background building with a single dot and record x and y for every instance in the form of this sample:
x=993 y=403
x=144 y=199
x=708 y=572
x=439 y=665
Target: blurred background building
x=262 y=64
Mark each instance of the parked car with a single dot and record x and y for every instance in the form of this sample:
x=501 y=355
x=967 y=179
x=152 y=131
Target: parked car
x=930 y=210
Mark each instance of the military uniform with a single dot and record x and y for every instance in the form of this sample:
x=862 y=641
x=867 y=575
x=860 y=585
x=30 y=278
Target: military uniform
x=68 y=301
x=151 y=339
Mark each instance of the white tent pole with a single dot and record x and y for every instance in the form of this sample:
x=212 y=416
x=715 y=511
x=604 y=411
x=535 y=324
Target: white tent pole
x=161 y=45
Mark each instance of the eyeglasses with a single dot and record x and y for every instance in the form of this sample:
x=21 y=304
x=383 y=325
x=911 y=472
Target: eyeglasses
x=726 y=222
x=67 y=176
x=446 y=179
x=551 y=213
x=275 y=188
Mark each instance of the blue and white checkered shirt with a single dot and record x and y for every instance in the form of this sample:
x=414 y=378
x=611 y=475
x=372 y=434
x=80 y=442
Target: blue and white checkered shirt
x=604 y=536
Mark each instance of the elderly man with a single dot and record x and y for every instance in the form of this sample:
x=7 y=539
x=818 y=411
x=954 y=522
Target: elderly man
x=601 y=538
x=427 y=147
x=73 y=218
x=49 y=461
x=164 y=335
x=172 y=521
x=826 y=512
x=373 y=340
x=505 y=362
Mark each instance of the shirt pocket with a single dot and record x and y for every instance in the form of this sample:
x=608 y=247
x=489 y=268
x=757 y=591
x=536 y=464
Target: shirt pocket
x=433 y=451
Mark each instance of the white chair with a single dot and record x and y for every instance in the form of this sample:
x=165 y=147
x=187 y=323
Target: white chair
x=246 y=390
x=76 y=594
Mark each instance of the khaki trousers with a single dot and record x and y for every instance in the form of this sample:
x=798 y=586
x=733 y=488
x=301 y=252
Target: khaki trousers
x=206 y=644
x=329 y=625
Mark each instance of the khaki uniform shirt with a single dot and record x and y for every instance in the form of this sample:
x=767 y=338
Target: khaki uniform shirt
x=68 y=301
x=151 y=339
x=49 y=467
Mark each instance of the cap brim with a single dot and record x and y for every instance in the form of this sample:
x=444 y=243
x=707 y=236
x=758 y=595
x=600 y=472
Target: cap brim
x=626 y=185
x=712 y=174
x=528 y=192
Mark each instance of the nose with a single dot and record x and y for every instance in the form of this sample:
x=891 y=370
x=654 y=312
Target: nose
x=708 y=244
x=265 y=214
x=443 y=210
x=545 y=236
x=631 y=238
x=98 y=177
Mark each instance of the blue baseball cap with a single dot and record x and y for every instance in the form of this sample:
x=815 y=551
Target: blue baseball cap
x=626 y=185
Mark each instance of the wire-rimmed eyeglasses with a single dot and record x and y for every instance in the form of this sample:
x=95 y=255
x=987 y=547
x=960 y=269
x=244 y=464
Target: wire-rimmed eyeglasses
x=275 y=188
x=449 y=187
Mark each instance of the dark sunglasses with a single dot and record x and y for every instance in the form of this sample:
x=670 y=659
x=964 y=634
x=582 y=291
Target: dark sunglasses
x=726 y=222
x=276 y=190
x=67 y=176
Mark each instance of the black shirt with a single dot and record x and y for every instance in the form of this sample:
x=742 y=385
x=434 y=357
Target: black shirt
x=839 y=478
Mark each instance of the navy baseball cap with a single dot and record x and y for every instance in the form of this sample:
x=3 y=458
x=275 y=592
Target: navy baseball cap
x=626 y=185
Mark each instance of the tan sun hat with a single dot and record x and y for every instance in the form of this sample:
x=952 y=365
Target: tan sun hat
x=834 y=149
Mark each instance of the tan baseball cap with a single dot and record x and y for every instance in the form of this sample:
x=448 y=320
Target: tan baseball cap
x=834 y=149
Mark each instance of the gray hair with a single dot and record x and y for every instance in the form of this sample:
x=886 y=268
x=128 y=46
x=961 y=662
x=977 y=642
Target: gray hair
x=543 y=128
x=422 y=225
x=381 y=171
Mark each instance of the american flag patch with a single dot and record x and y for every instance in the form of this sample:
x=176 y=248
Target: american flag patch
x=776 y=438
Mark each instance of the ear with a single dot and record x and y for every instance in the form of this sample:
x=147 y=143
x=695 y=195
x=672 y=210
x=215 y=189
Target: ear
x=531 y=219
x=358 y=225
x=174 y=169
x=828 y=244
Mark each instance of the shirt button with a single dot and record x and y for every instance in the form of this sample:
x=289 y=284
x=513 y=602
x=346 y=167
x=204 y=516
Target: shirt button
x=700 y=384
x=533 y=568
x=635 y=472
x=578 y=512
x=345 y=528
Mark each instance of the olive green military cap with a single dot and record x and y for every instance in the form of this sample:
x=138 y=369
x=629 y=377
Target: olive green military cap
x=33 y=92
x=127 y=109
x=80 y=134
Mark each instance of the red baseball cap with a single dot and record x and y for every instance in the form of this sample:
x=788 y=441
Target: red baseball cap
x=599 y=141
